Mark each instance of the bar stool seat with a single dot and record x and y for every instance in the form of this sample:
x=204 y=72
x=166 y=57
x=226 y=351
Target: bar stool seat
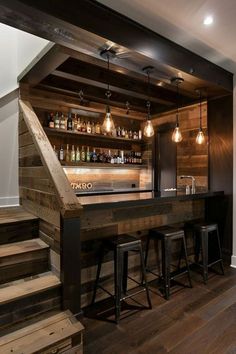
x=167 y=234
x=201 y=232
x=120 y=245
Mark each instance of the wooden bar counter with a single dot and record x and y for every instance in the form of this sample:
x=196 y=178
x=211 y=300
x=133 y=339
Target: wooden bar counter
x=133 y=213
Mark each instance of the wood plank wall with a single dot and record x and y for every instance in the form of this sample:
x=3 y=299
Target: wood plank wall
x=37 y=193
x=100 y=223
x=192 y=159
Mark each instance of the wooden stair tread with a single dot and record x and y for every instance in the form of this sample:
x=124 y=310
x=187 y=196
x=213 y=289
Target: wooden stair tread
x=26 y=287
x=41 y=335
x=22 y=247
x=14 y=215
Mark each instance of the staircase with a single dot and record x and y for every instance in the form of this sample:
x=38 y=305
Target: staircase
x=30 y=294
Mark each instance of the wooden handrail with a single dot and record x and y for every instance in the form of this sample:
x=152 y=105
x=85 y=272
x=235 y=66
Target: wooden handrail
x=69 y=205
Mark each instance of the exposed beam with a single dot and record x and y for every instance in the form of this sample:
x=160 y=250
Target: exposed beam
x=58 y=21
x=96 y=93
x=116 y=79
x=49 y=62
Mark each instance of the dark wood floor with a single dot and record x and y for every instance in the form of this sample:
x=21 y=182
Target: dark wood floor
x=201 y=320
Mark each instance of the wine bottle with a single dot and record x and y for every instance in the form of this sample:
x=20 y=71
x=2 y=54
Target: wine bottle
x=69 y=122
x=51 y=121
x=72 y=155
x=61 y=154
x=88 y=155
x=83 y=155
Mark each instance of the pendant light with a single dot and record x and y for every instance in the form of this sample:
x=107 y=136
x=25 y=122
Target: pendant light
x=148 y=128
x=200 y=138
x=177 y=136
x=108 y=124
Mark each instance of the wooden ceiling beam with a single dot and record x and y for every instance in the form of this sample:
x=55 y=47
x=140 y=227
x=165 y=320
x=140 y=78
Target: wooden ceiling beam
x=59 y=21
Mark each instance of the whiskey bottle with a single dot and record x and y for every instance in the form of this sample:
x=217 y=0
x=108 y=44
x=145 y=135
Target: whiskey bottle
x=72 y=155
x=51 y=120
x=84 y=127
x=75 y=122
x=98 y=128
x=78 y=124
x=83 y=155
x=77 y=155
x=62 y=122
x=94 y=156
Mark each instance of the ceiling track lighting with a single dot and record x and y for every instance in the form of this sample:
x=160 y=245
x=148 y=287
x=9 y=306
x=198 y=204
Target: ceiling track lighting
x=177 y=136
x=200 y=138
x=108 y=125
x=148 y=128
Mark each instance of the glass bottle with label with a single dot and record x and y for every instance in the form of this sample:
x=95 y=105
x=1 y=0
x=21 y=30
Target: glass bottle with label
x=62 y=122
x=93 y=129
x=98 y=128
x=83 y=155
x=94 y=156
x=57 y=121
x=84 y=127
x=88 y=155
x=140 y=134
x=69 y=122
x=61 y=154
x=75 y=123
x=77 y=155
x=51 y=121
x=72 y=155
x=78 y=124
x=67 y=157
x=89 y=128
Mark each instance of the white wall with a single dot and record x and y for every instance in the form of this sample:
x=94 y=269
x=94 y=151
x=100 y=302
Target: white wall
x=17 y=51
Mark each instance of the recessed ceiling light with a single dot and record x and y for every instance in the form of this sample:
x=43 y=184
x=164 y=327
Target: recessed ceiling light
x=208 y=20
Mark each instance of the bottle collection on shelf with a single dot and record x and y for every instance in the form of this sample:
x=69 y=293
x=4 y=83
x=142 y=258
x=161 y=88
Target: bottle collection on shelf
x=97 y=155
x=72 y=122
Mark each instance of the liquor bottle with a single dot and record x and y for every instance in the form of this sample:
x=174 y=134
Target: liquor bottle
x=72 y=155
x=75 y=122
x=126 y=134
x=98 y=128
x=51 y=121
x=69 y=122
x=89 y=128
x=83 y=155
x=94 y=156
x=79 y=124
x=88 y=155
x=108 y=160
x=57 y=121
x=140 y=134
x=122 y=160
x=122 y=132
x=93 y=130
x=77 y=155
x=62 y=122
x=135 y=135
x=55 y=151
x=84 y=127
x=67 y=157
x=118 y=132
x=61 y=154
x=130 y=134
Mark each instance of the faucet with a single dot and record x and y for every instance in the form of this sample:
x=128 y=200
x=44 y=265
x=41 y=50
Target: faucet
x=193 y=182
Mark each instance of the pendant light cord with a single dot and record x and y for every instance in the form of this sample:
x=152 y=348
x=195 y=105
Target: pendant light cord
x=148 y=101
x=200 y=110
x=177 y=116
x=108 y=92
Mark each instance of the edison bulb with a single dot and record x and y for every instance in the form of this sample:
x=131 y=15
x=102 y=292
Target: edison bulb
x=200 y=139
x=108 y=125
x=177 y=136
x=148 y=129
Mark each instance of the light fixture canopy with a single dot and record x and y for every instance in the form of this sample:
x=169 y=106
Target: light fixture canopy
x=200 y=138
x=176 y=135
x=108 y=125
x=148 y=130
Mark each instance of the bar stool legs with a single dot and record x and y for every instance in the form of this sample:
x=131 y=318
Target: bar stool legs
x=120 y=250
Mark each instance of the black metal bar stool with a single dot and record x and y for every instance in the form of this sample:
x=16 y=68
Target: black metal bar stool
x=121 y=245
x=166 y=235
x=201 y=232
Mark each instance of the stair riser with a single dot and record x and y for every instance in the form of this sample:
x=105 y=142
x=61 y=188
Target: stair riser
x=23 y=309
x=23 y=265
x=20 y=231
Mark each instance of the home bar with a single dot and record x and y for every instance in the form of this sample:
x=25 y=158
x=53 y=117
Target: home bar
x=125 y=145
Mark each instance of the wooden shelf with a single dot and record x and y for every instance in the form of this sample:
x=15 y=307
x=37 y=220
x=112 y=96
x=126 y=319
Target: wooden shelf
x=53 y=131
x=102 y=165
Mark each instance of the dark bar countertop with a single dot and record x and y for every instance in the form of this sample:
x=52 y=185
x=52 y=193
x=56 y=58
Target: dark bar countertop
x=119 y=200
